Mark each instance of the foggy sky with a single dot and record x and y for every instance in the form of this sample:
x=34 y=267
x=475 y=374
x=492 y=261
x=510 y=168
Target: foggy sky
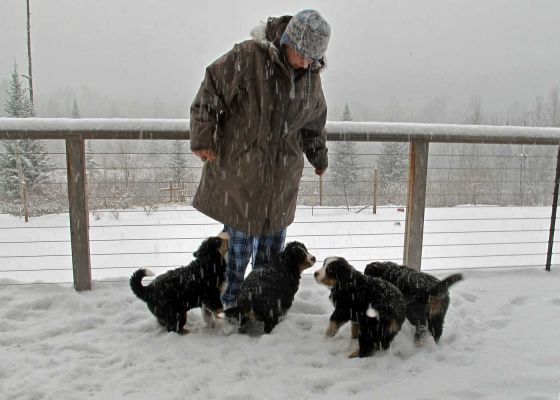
x=382 y=53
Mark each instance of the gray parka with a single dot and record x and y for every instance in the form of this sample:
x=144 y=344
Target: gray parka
x=260 y=117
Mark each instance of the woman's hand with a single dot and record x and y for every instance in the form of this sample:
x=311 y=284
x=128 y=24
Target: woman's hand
x=205 y=154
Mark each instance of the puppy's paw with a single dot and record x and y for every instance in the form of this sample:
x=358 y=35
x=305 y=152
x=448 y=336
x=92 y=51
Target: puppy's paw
x=224 y=327
x=420 y=335
x=332 y=329
x=355 y=330
x=354 y=354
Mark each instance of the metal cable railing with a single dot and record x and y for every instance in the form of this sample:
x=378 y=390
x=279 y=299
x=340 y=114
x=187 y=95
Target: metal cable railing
x=456 y=239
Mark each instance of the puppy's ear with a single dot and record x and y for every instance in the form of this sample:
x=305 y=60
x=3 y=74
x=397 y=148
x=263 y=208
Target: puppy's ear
x=343 y=271
x=287 y=253
x=201 y=249
x=206 y=247
x=290 y=252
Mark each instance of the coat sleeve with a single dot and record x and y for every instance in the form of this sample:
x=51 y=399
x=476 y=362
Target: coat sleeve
x=314 y=136
x=219 y=87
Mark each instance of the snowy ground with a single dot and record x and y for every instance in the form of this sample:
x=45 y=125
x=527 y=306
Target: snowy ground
x=500 y=340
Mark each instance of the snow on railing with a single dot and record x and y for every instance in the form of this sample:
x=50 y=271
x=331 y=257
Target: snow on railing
x=123 y=128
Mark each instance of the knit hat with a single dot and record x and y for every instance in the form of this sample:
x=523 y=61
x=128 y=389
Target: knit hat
x=307 y=33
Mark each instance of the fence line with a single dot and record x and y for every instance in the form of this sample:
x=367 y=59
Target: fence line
x=419 y=136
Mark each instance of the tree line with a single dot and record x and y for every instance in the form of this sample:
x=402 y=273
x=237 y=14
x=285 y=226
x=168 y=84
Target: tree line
x=124 y=174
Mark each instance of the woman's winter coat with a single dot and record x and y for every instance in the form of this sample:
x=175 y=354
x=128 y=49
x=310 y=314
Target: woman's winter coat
x=260 y=117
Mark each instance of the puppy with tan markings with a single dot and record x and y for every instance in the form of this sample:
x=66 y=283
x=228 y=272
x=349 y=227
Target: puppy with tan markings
x=427 y=297
x=267 y=293
x=199 y=284
x=375 y=307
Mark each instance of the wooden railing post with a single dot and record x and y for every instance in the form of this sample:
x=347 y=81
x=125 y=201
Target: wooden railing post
x=78 y=211
x=416 y=203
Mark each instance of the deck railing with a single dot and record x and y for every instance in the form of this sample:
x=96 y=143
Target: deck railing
x=75 y=131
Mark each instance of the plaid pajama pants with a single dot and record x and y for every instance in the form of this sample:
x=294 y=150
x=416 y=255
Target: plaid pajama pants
x=241 y=248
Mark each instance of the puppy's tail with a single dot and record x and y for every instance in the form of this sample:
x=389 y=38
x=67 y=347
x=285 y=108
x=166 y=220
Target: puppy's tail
x=136 y=283
x=442 y=286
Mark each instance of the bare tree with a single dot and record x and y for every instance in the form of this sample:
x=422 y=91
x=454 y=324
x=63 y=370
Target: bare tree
x=537 y=117
x=126 y=163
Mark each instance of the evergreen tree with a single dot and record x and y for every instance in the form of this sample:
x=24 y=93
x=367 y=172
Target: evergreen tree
x=178 y=161
x=345 y=163
x=473 y=175
x=393 y=163
x=18 y=104
x=393 y=168
x=75 y=110
x=91 y=164
x=553 y=109
x=347 y=114
x=21 y=160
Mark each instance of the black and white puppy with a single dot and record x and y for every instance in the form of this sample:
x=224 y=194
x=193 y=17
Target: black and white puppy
x=427 y=298
x=268 y=292
x=199 y=284
x=377 y=306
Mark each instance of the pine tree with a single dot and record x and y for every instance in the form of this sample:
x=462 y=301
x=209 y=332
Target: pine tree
x=91 y=164
x=178 y=162
x=553 y=109
x=75 y=110
x=393 y=162
x=393 y=170
x=347 y=114
x=345 y=164
x=473 y=176
x=18 y=104
x=21 y=160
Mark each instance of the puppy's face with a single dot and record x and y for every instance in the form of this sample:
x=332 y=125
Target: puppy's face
x=334 y=270
x=224 y=245
x=214 y=244
x=298 y=256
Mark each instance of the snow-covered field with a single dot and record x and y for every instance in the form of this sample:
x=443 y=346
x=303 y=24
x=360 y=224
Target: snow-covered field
x=457 y=237
x=500 y=340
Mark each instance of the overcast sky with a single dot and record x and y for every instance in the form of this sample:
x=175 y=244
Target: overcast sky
x=381 y=52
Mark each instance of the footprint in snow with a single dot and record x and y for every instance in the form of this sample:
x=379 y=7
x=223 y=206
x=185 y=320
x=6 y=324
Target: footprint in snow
x=555 y=302
x=519 y=301
x=469 y=297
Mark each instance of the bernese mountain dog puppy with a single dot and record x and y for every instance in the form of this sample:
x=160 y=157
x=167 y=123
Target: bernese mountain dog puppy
x=376 y=306
x=267 y=293
x=427 y=298
x=199 y=284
